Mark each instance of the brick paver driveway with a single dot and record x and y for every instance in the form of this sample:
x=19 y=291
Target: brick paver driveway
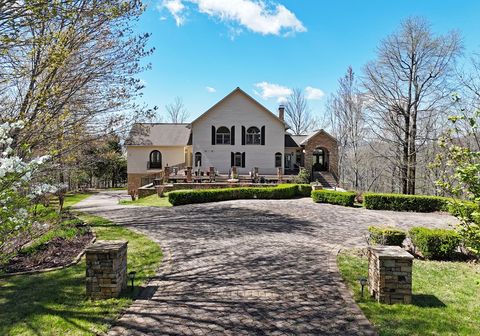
x=255 y=267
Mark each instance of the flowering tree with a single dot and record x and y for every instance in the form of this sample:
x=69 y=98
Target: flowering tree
x=16 y=188
x=460 y=162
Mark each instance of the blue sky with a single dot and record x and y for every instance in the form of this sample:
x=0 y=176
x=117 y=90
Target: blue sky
x=206 y=48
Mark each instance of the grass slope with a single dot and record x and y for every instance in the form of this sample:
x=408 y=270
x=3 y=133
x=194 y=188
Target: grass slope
x=152 y=200
x=446 y=298
x=54 y=303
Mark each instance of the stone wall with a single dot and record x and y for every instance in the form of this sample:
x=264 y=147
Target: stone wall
x=322 y=140
x=106 y=268
x=390 y=274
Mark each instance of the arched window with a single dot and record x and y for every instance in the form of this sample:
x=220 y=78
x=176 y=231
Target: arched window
x=198 y=159
x=253 y=136
x=155 y=161
x=278 y=160
x=223 y=136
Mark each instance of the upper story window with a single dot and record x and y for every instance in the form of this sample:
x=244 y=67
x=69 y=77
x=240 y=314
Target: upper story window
x=155 y=160
x=253 y=136
x=223 y=136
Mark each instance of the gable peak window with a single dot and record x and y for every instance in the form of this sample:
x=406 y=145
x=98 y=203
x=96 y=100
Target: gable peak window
x=223 y=136
x=253 y=136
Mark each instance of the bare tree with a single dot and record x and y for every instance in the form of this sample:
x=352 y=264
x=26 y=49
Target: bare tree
x=346 y=109
x=407 y=87
x=298 y=114
x=69 y=71
x=177 y=113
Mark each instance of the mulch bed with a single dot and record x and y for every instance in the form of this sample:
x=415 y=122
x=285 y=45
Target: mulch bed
x=57 y=252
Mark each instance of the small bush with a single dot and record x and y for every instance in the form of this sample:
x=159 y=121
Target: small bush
x=304 y=190
x=303 y=176
x=398 y=202
x=438 y=244
x=386 y=236
x=283 y=191
x=346 y=198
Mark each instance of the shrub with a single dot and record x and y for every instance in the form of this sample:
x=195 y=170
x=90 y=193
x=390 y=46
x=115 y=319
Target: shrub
x=345 y=198
x=304 y=190
x=283 y=191
x=439 y=244
x=302 y=177
x=386 y=236
x=398 y=202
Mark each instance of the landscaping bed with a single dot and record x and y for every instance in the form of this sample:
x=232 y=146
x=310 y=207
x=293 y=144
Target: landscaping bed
x=54 y=303
x=446 y=298
x=56 y=252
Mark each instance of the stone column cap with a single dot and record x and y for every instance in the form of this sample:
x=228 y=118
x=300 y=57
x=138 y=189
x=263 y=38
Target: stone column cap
x=107 y=246
x=390 y=252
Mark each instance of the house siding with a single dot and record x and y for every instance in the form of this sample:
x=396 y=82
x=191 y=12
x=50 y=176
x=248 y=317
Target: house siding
x=238 y=110
x=138 y=156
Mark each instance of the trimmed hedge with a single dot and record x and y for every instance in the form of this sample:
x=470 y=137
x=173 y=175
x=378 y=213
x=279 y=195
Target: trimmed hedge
x=439 y=244
x=283 y=191
x=346 y=198
x=386 y=235
x=304 y=190
x=399 y=202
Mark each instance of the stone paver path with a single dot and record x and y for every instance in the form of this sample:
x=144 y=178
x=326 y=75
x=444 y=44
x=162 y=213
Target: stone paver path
x=249 y=267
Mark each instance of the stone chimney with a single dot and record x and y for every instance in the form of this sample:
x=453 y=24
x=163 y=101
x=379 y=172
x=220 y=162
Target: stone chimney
x=281 y=112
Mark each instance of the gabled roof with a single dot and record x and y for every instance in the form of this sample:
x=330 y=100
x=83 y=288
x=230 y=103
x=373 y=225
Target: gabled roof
x=293 y=140
x=238 y=90
x=306 y=139
x=158 y=134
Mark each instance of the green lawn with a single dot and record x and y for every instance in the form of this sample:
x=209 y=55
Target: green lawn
x=54 y=303
x=72 y=199
x=446 y=298
x=152 y=200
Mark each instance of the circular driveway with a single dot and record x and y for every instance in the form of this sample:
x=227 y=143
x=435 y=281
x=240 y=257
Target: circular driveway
x=249 y=267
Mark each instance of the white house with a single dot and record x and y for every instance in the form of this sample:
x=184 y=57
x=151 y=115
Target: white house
x=235 y=132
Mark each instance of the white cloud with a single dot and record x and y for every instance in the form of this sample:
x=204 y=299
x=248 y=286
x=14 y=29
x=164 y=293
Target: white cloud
x=313 y=93
x=176 y=8
x=270 y=90
x=259 y=16
x=210 y=89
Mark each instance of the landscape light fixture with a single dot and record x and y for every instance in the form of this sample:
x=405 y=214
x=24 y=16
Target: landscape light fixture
x=131 y=276
x=363 y=282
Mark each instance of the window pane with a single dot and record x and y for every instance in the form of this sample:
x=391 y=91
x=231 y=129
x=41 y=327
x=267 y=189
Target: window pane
x=226 y=139
x=219 y=139
x=238 y=160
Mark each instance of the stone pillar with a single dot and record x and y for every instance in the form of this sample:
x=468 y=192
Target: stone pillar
x=390 y=274
x=106 y=274
x=166 y=174
x=279 y=174
x=189 y=174
x=211 y=173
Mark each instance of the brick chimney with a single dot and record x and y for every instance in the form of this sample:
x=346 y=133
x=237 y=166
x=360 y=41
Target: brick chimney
x=281 y=112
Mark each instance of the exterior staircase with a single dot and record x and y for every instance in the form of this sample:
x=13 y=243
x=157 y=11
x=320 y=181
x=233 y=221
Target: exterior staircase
x=326 y=179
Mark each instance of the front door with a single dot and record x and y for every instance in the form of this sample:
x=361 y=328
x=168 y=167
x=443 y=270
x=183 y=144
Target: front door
x=320 y=160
